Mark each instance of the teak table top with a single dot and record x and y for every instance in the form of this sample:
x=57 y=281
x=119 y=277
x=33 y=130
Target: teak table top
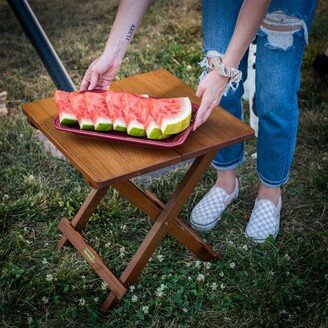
x=103 y=162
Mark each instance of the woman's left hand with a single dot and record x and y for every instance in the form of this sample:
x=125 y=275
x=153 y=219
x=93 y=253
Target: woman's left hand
x=211 y=89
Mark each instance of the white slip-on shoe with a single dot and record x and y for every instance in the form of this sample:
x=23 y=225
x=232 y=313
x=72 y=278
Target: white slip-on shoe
x=264 y=220
x=207 y=213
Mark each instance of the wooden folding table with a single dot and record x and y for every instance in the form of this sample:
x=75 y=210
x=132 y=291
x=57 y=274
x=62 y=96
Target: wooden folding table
x=104 y=164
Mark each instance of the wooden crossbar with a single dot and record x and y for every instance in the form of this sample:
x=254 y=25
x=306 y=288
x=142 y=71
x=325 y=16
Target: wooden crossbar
x=92 y=258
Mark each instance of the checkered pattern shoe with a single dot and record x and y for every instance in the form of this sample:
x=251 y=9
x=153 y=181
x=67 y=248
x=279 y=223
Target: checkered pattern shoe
x=264 y=220
x=206 y=214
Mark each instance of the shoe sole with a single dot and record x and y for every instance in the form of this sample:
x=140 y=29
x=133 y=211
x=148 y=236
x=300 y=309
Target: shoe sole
x=203 y=228
x=261 y=241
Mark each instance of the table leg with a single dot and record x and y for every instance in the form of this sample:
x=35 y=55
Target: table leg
x=150 y=205
x=83 y=215
x=162 y=224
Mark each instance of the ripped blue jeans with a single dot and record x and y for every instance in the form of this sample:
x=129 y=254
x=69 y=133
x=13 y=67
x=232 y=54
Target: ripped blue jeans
x=278 y=64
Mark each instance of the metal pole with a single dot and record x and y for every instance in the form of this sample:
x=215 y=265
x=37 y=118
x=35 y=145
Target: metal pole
x=41 y=44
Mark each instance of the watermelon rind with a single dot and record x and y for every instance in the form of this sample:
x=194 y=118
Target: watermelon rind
x=179 y=123
x=104 y=127
x=86 y=125
x=136 y=129
x=119 y=125
x=103 y=124
x=67 y=119
x=154 y=132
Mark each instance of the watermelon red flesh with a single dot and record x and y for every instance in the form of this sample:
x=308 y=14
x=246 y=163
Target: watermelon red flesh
x=115 y=110
x=80 y=110
x=98 y=111
x=66 y=115
x=173 y=115
x=134 y=114
x=144 y=107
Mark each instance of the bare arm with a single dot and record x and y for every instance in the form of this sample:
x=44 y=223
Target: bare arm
x=104 y=69
x=212 y=87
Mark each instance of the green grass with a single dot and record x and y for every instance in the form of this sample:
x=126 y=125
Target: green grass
x=281 y=284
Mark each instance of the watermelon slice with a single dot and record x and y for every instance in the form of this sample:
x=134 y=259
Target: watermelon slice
x=143 y=109
x=97 y=108
x=79 y=108
x=66 y=115
x=172 y=115
x=134 y=114
x=114 y=105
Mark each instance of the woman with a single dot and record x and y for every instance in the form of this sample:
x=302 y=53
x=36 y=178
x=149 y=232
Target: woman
x=229 y=27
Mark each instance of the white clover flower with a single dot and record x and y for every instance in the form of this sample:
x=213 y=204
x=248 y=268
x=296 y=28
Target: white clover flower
x=200 y=277
x=214 y=286
x=29 y=320
x=232 y=265
x=103 y=286
x=145 y=309
x=245 y=247
x=197 y=264
x=162 y=287
x=159 y=293
x=160 y=258
x=49 y=277
x=82 y=301
x=21 y=135
x=207 y=265
x=122 y=251
x=5 y=197
x=287 y=273
x=185 y=310
x=44 y=261
x=45 y=300
x=230 y=242
x=134 y=298
x=132 y=288
x=123 y=227
x=189 y=278
x=107 y=245
x=287 y=257
x=31 y=178
x=188 y=68
x=163 y=276
x=222 y=286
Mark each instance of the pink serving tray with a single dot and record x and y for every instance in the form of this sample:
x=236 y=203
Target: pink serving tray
x=173 y=141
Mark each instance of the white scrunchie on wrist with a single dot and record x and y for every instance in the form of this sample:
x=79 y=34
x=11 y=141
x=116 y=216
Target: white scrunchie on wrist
x=234 y=74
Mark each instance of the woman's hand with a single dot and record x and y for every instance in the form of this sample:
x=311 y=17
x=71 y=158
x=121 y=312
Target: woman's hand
x=211 y=89
x=101 y=72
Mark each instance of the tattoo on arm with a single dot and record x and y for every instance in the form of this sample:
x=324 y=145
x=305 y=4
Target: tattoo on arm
x=129 y=35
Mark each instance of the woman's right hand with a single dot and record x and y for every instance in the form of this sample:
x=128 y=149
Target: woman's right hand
x=101 y=72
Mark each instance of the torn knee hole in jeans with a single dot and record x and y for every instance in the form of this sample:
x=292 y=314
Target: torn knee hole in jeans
x=280 y=29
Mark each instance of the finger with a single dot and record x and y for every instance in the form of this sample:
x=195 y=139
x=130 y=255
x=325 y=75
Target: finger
x=93 y=80
x=103 y=84
x=200 y=91
x=85 y=81
x=202 y=110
